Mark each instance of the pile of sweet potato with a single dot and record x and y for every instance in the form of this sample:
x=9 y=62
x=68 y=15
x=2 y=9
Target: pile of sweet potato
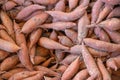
x=60 y=40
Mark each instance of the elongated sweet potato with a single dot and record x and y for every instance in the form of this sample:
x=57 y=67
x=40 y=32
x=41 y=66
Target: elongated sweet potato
x=71 y=70
x=45 y=2
x=32 y=23
x=102 y=45
x=8 y=46
x=69 y=59
x=96 y=53
x=8 y=74
x=46 y=70
x=32 y=51
x=19 y=76
x=82 y=30
x=106 y=75
x=9 y=63
x=22 y=14
x=104 y=12
x=95 y=10
x=58 y=25
x=4 y=35
x=77 y=13
x=7 y=22
x=34 y=37
x=51 y=44
x=23 y=53
x=38 y=76
x=32 y=15
x=90 y=64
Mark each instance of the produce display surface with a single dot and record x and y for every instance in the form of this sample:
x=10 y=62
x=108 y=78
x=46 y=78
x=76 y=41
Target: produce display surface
x=59 y=39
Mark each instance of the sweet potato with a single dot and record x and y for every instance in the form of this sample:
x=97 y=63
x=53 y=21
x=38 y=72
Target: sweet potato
x=4 y=35
x=102 y=45
x=101 y=34
x=48 y=71
x=58 y=25
x=60 y=5
x=19 y=76
x=96 y=10
x=51 y=44
x=29 y=9
x=104 y=12
x=111 y=2
x=32 y=23
x=106 y=75
x=7 y=22
x=9 y=63
x=114 y=13
x=82 y=30
x=90 y=63
x=68 y=59
x=38 y=76
x=3 y=55
x=8 y=46
x=23 y=53
x=53 y=35
x=71 y=16
x=34 y=37
x=111 y=24
x=9 y=5
x=71 y=70
x=69 y=33
x=8 y=74
x=45 y=2
x=65 y=41
x=32 y=15
x=61 y=68
x=32 y=54
x=114 y=35
x=47 y=62
x=72 y=4
x=113 y=63
x=81 y=75
x=96 y=53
